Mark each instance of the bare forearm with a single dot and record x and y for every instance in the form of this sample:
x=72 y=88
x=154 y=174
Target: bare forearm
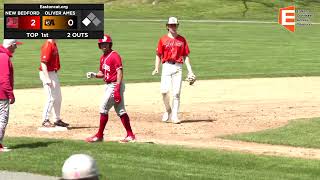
x=157 y=62
x=45 y=71
x=188 y=64
x=100 y=75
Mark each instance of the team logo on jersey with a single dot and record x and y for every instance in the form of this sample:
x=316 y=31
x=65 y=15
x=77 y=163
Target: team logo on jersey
x=106 y=67
x=170 y=44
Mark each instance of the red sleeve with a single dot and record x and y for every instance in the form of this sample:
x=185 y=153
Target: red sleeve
x=46 y=52
x=5 y=77
x=159 y=50
x=101 y=63
x=117 y=61
x=186 y=50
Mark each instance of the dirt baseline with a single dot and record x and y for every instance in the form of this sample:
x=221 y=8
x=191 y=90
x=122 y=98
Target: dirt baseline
x=209 y=109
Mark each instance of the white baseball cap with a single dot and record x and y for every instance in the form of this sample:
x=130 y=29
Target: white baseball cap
x=79 y=166
x=172 y=20
x=8 y=42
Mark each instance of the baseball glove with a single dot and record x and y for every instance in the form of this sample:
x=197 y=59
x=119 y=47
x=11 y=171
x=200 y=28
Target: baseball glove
x=191 y=78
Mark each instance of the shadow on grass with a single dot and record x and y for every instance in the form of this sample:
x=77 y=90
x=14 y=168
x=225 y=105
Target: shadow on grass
x=33 y=145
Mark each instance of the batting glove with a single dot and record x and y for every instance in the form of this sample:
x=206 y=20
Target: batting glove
x=91 y=75
x=116 y=94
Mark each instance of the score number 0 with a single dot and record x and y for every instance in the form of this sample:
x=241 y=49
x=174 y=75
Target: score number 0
x=70 y=22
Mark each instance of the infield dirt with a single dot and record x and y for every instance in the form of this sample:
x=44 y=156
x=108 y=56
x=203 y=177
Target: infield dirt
x=209 y=109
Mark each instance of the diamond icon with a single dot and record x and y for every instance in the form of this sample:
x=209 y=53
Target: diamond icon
x=91 y=16
x=96 y=21
x=86 y=21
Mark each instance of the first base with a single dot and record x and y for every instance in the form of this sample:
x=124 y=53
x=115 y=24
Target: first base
x=52 y=129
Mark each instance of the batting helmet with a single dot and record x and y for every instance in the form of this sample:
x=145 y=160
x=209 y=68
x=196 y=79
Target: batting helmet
x=106 y=39
x=173 y=20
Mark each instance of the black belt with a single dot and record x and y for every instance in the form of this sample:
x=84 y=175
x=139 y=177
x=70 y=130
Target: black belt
x=171 y=62
x=110 y=82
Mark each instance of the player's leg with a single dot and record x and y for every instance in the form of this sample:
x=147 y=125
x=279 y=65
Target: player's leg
x=164 y=88
x=176 y=89
x=4 y=118
x=56 y=94
x=121 y=112
x=105 y=106
x=48 y=104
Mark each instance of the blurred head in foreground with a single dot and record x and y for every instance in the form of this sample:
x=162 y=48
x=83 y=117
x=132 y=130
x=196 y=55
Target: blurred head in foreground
x=80 y=167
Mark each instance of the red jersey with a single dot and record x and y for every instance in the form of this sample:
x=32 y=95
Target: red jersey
x=172 y=49
x=109 y=64
x=50 y=56
x=6 y=74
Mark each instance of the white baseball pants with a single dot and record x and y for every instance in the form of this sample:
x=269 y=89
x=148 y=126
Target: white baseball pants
x=108 y=100
x=4 y=117
x=171 y=77
x=54 y=97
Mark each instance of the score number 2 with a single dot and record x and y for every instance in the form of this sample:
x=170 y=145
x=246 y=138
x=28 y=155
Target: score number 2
x=33 y=22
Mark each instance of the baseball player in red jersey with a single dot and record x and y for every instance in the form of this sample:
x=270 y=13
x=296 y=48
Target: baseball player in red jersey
x=6 y=85
x=111 y=71
x=172 y=52
x=49 y=67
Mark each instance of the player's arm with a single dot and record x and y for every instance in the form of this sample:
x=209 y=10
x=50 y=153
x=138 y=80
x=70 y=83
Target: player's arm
x=156 y=65
x=119 y=75
x=100 y=74
x=191 y=78
x=5 y=79
x=159 y=52
x=95 y=75
x=188 y=64
x=186 y=58
x=117 y=92
x=46 y=73
x=46 y=52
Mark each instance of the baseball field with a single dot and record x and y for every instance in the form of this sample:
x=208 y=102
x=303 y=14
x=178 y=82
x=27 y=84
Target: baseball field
x=252 y=114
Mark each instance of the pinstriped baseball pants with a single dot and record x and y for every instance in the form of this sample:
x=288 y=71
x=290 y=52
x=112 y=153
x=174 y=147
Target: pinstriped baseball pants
x=4 y=117
x=54 y=98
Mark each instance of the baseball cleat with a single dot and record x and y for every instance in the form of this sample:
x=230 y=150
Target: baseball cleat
x=46 y=123
x=175 y=120
x=94 y=139
x=61 y=123
x=165 y=117
x=128 y=139
x=4 y=149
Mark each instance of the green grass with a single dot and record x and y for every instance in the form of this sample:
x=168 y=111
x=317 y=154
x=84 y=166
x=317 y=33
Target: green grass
x=218 y=50
x=149 y=161
x=303 y=133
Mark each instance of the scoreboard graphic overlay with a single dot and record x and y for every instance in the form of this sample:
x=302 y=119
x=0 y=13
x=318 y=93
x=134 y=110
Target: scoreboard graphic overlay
x=53 y=21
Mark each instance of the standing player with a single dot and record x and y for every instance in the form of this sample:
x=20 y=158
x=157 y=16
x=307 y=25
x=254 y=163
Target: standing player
x=172 y=51
x=111 y=71
x=49 y=67
x=6 y=84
